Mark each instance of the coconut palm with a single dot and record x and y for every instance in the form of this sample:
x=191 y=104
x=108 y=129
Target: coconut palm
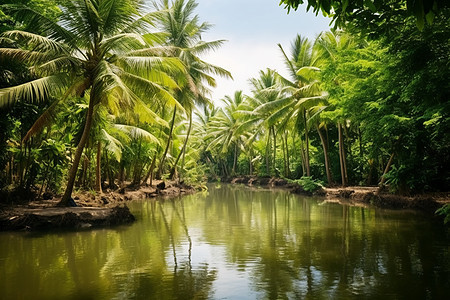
x=183 y=32
x=260 y=111
x=99 y=49
x=329 y=46
x=223 y=128
x=304 y=87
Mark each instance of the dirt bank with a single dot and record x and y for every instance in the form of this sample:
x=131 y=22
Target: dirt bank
x=355 y=195
x=93 y=209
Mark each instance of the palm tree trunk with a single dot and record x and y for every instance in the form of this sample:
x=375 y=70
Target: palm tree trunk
x=267 y=154
x=308 y=171
x=386 y=170
x=84 y=137
x=233 y=172
x=250 y=164
x=342 y=156
x=283 y=149
x=274 y=165
x=302 y=156
x=325 y=154
x=152 y=167
x=169 y=139
x=288 y=171
x=98 y=178
x=183 y=150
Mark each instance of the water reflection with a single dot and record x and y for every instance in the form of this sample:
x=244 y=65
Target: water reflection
x=235 y=243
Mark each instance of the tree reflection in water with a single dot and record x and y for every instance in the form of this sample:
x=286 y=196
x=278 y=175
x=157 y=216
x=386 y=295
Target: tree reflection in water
x=236 y=243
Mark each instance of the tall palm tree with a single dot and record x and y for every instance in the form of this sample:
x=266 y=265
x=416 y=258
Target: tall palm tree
x=329 y=45
x=183 y=33
x=98 y=49
x=304 y=87
x=261 y=111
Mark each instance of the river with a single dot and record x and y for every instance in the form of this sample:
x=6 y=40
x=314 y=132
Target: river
x=235 y=242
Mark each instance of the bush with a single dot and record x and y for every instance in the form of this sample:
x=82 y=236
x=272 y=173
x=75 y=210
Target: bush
x=309 y=184
x=444 y=211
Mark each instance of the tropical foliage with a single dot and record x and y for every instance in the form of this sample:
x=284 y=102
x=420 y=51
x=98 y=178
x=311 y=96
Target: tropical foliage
x=102 y=93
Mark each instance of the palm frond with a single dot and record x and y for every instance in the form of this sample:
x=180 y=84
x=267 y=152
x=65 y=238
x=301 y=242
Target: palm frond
x=112 y=145
x=40 y=42
x=141 y=64
x=145 y=114
x=137 y=133
x=34 y=91
x=149 y=89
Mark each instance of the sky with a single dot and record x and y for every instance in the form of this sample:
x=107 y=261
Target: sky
x=252 y=28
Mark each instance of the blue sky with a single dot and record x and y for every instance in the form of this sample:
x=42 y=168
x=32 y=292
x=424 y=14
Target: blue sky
x=253 y=29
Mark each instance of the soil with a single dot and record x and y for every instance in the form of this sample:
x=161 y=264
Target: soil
x=92 y=210
x=356 y=195
x=109 y=208
x=363 y=196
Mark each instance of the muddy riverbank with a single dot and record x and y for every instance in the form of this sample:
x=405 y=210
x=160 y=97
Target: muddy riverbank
x=93 y=209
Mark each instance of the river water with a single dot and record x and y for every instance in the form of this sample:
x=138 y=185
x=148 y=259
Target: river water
x=234 y=242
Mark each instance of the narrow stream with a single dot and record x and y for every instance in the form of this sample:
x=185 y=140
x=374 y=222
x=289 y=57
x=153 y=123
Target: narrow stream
x=234 y=242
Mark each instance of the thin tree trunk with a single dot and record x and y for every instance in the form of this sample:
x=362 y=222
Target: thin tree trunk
x=386 y=170
x=361 y=154
x=325 y=154
x=111 y=183
x=283 y=149
x=288 y=171
x=152 y=167
x=250 y=165
x=98 y=174
x=84 y=137
x=308 y=171
x=137 y=164
x=233 y=171
x=267 y=154
x=183 y=150
x=43 y=180
x=302 y=156
x=169 y=139
x=274 y=165
x=342 y=156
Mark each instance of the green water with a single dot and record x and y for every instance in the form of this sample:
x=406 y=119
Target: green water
x=235 y=243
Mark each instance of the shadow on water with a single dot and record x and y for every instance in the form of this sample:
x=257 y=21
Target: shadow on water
x=235 y=243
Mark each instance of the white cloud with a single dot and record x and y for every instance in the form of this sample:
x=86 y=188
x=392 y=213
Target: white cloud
x=253 y=29
x=243 y=60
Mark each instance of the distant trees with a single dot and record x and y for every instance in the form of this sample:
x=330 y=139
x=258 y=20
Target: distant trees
x=355 y=111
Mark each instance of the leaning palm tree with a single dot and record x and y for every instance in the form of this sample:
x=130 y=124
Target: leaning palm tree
x=99 y=49
x=183 y=33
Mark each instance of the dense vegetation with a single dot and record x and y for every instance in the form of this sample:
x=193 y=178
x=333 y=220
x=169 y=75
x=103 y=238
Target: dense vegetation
x=97 y=93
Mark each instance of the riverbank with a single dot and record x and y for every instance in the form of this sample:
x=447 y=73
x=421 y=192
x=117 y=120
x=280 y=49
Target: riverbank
x=355 y=195
x=93 y=209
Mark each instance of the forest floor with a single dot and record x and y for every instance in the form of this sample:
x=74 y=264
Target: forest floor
x=93 y=209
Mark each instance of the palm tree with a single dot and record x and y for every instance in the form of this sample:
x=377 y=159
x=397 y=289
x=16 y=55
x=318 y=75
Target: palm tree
x=223 y=129
x=303 y=86
x=329 y=45
x=184 y=35
x=261 y=111
x=99 y=49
